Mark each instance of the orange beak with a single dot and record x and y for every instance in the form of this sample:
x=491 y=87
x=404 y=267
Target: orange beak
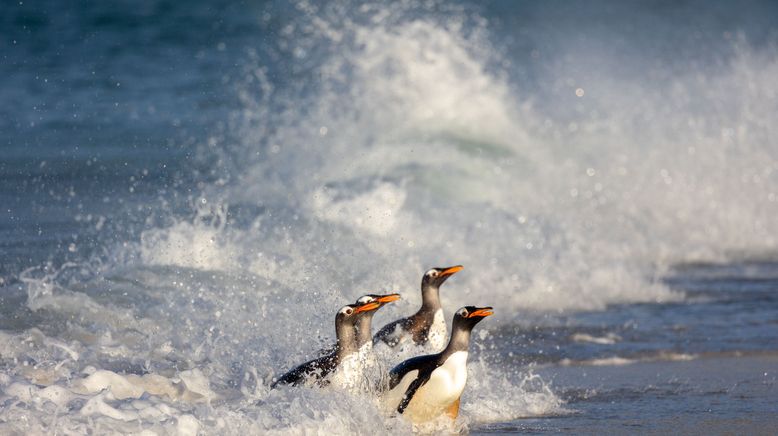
x=388 y=298
x=452 y=270
x=482 y=312
x=367 y=307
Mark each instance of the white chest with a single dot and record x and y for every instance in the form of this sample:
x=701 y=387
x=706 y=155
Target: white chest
x=366 y=350
x=348 y=374
x=445 y=386
x=367 y=357
x=438 y=336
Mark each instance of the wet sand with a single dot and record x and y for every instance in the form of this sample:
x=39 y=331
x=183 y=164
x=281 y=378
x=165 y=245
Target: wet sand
x=724 y=394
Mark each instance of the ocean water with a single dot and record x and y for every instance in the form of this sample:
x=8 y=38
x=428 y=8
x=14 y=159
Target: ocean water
x=190 y=190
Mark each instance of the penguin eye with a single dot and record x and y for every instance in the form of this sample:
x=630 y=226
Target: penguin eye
x=463 y=313
x=346 y=310
x=432 y=273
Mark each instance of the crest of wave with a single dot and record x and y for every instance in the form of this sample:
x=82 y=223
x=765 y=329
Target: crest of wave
x=412 y=149
x=415 y=146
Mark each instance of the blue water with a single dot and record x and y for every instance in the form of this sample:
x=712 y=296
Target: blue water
x=190 y=190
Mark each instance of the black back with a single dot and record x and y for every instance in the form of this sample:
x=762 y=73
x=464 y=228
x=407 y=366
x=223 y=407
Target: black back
x=390 y=336
x=318 y=368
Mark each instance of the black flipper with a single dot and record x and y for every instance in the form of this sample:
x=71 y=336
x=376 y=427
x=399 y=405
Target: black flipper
x=420 y=363
x=423 y=378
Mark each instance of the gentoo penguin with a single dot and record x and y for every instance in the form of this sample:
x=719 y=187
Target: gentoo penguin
x=426 y=325
x=344 y=354
x=364 y=329
x=425 y=387
x=373 y=370
x=364 y=323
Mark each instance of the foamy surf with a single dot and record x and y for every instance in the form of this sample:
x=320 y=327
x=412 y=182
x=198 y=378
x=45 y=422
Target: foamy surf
x=185 y=376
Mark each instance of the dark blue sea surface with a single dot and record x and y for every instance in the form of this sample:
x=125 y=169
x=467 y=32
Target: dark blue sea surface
x=190 y=190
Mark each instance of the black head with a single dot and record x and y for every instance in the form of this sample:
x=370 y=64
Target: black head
x=467 y=317
x=435 y=277
x=464 y=320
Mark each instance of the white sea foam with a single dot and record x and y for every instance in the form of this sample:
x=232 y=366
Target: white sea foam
x=185 y=373
x=608 y=339
x=620 y=360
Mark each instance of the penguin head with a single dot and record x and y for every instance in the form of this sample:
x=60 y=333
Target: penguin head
x=352 y=312
x=346 y=313
x=435 y=277
x=377 y=298
x=467 y=317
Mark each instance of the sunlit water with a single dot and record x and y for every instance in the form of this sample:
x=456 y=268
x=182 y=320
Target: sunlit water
x=191 y=191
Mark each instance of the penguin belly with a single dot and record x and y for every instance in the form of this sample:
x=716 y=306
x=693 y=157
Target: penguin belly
x=438 y=334
x=445 y=386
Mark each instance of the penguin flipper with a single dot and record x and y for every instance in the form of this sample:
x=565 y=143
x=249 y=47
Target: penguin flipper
x=411 y=391
x=415 y=363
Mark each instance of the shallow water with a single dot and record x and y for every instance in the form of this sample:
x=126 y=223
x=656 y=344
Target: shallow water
x=190 y=191
x=710 y=395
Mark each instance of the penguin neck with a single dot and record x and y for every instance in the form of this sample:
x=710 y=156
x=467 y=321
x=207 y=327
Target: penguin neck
x=430 y=299
x=364 y=335
x=460 y=340
x=347 y=340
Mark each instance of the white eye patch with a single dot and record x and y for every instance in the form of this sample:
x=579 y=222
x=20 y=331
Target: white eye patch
x=346 y=310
